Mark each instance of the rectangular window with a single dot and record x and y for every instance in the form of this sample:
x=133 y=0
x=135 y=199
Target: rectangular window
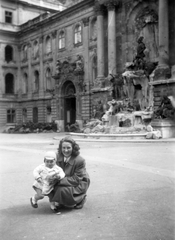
x=8 y=17
x=11 y=115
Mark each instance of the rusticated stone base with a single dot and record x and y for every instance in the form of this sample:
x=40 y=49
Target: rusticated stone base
x=167 y=127
x=162 y=72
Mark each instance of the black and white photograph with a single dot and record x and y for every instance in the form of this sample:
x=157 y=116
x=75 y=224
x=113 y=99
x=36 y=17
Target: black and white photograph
x=87 y=119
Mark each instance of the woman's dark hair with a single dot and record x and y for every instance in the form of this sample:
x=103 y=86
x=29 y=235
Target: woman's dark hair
x=75 y=146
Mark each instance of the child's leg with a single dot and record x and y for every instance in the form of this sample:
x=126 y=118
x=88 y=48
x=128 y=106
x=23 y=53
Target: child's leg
x=36 y=197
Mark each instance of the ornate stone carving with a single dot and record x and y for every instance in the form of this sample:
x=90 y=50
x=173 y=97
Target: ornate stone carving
x=29 y=44
x=54 y=34
x=111 y=4
x=86 y=21
x=79 y=70
x=68 y=70
x=146 y=16
x=41 y=39
x=99 y=8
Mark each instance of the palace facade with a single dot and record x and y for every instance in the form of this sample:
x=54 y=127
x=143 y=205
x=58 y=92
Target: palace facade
x=58 y=64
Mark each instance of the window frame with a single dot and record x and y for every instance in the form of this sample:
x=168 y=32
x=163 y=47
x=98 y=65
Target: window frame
x=36 y=81
x=11 y=115
x=7 y=54
x=8 y=17
x=61 y=40
x=78 y=34
x=9 y=87
x=48 y=44
x=48 y=79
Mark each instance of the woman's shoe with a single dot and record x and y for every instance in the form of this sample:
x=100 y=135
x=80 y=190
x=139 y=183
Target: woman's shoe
x=81 y=204
x=54 y=210
x=34 y=205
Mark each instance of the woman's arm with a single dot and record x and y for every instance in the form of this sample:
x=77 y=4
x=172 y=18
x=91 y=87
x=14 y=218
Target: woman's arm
x=76 y=177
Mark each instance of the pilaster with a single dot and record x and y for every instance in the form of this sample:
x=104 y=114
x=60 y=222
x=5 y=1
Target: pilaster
x=41 y=79
x=30 y=73
x=163 y=70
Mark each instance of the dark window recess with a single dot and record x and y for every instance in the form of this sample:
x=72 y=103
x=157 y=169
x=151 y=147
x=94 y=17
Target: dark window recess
x=8 y=53
x=35 y=115
x=8 y=17
x=11 y=115
x=9 y=84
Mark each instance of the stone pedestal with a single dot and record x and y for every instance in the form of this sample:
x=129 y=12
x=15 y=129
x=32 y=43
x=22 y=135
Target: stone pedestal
x=167 y=127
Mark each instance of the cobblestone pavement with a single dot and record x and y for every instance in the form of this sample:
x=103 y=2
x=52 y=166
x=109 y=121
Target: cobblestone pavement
x=131 y=196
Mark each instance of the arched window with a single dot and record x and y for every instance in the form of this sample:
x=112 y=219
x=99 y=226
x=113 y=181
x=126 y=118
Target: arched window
x=9 y=83
x=25 y=83
x=36 y=81
x=61 y=39
x=35 y=50
x=48 y=44
x=25 y=52
x=8 y=53
x=77 y=34
x=48 y=79
x=11 y=115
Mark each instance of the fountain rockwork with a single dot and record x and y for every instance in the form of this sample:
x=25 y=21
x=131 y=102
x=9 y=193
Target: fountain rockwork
x=132 y=114
x=164 y=75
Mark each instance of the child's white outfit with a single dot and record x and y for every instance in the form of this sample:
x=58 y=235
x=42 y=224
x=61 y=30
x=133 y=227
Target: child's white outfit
x=46 y=174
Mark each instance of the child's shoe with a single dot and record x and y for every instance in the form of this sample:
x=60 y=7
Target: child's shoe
x=33 y=202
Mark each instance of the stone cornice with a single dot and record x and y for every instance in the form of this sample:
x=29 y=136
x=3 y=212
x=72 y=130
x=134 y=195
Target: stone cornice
x=159 y=82
x=60 y=15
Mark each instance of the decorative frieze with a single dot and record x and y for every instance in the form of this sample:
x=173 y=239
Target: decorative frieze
x=54 y=34
x=111 y=4
x=146 y=16
x=86 y=21
x=98 y=8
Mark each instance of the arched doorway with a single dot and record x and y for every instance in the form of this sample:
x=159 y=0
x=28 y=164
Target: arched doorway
x=69 y=104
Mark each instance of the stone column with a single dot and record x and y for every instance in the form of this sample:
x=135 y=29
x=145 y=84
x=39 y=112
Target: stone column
x=85 y=106
x=163 y=71
x=111 y=36
x=100 y=42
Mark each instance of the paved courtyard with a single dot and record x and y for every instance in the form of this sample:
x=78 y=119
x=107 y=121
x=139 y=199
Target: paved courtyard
x=131 y=196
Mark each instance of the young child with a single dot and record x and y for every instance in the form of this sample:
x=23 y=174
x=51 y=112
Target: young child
x=44 y=175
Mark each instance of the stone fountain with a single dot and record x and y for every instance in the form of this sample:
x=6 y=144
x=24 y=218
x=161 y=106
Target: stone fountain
x=133 y=113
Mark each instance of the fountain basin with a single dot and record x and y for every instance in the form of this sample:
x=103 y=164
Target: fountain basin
x=166 y=127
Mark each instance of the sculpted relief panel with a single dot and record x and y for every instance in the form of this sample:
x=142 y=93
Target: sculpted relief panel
x=143 y=21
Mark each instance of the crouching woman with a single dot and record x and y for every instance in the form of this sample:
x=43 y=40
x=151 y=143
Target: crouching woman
x=71 y=190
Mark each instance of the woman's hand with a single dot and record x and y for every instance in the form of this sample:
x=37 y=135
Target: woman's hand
x=39 y=180
x=52 y=180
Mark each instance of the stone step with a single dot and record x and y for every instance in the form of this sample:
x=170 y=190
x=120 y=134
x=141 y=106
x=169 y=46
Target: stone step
x=109 y=136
